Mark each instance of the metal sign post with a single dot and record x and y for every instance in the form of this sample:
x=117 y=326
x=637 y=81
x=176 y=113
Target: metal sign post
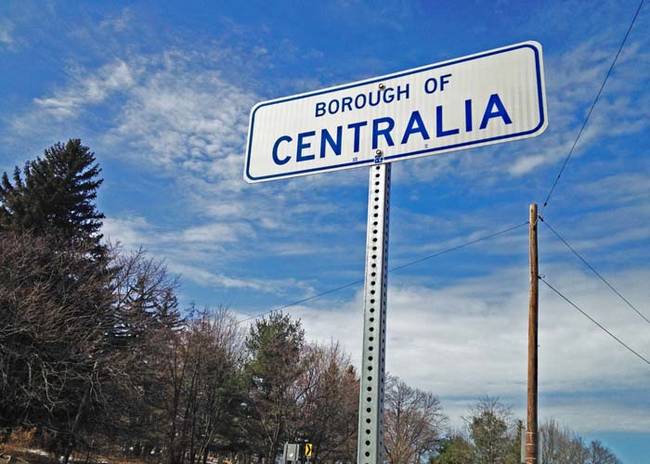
x=370 y=442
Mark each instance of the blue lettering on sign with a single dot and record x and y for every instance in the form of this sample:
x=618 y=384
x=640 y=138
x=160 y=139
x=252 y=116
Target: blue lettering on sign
x=370 y=102
x=332 y=141
x=414 y=126
x=326 y=139
x=444 y=80
x=356 y=127
x=468 y=115
x=376 y=131
x=500 y=112
x=347 y=103
x=285 y=160
x=302 y=145
x=359 y=101
x=440 y=132
x=431 y=84
x=403 y=92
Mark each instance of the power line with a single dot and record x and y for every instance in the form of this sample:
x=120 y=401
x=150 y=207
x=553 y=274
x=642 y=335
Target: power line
x=304 y=300
x=458 y=247
x=593 y=105
x=393 y=269
x=602 y=327
x=598 y=274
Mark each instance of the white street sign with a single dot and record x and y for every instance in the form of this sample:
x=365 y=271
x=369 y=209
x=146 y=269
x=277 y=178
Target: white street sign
x=490 y=97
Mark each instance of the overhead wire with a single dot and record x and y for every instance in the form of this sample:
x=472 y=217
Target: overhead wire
x=393 y=269
x=601 y=326
x=593 y=105
x=593 y=269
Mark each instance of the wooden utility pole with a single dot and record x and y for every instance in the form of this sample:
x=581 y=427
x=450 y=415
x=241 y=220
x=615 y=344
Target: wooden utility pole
x=533 y=302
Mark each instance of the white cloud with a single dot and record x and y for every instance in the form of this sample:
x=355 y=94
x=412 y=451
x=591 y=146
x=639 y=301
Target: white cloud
x=118 y=23
x=131 y=233
x=217 y=233
x=208 y=278
x=85 y=89
x=585 y=413
x=573 y=81
x=182 y=119
x=190 y=252
x=6 y=33
x=469 y=339
x=589 y=415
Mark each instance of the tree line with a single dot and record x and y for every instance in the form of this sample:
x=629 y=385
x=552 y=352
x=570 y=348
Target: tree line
x=98 y=357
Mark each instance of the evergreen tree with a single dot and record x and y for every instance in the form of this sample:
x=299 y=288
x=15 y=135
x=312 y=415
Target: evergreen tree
x=275 y=345
x=455 y=449
x=490 y=431
x=55 y=195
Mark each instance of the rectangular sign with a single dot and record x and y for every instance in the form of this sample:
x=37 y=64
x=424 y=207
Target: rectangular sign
x=490 y=97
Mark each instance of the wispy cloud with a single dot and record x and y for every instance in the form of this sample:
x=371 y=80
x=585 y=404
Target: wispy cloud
x=85 y=90
x=573 y=81
x=190 y=252
x=119 y=22
x=183 y=118
x=6 y=33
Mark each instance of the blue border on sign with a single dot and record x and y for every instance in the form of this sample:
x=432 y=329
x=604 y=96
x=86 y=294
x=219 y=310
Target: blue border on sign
x=540 y=97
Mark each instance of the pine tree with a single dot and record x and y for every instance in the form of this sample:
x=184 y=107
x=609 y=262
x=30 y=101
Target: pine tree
x=275 y=344
x=56 y=195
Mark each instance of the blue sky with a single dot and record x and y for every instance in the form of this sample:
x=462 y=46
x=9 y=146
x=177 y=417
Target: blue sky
x=162 y=92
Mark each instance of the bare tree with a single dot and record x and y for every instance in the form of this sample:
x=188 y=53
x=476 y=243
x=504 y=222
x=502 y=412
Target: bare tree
x=599 y=454
x=413 y=422
x=560 y=445
x=328 y=395
x=204 y=388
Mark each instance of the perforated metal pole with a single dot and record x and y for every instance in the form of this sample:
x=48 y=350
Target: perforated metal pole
x=370 y=445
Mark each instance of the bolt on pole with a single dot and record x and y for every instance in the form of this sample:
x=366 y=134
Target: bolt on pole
x=370 y=445
x=533 y=319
